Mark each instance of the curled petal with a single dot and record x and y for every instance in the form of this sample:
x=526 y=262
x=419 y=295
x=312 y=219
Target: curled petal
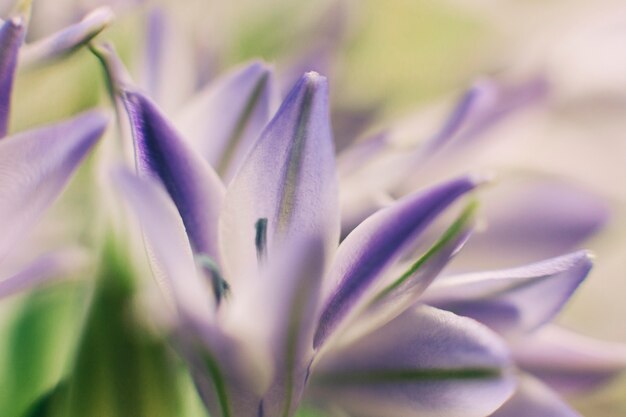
x=34 y=168
x=11 y=37
x=520 y=299
x=532 y=398
x=66 y=40
x=168 y=246
x=376 y=243
x=569 y=362
x=225 y=119
x=194 y=187
x=426 y=362
x=288 y=179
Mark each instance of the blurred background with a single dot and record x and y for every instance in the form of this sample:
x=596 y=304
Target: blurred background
x=385 y=61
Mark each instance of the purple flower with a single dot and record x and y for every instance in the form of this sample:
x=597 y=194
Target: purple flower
x=272 y=311
x=269 y=320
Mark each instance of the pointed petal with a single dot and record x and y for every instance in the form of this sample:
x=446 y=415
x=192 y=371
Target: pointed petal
x=426 y=362
x=66 y=40
x=376 y=243
x=43 y=270
x=192 y=184
x=569 y=362
x=288 y=178
x=34 y=168
x=283 y=301
x=226 y=118
x=167 y=245
x=11 y=37
x=532 y=398
x=513 y=300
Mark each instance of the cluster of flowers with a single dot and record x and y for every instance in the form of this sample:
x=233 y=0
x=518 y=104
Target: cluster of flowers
x=276 y=297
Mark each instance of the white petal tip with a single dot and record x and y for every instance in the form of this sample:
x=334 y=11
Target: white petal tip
x=482 y=178
x=104 y=15
x=314 y=78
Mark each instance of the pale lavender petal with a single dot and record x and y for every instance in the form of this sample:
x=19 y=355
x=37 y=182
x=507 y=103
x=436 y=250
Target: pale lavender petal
x=194 y=187
x=168 y=66
x=532 y=398
x=276 y=314
x=35 y=167
x=531 y=219
x=507 y=100
x=66 y=40
x=45 y=269
x=379 y=241
x=519 y=299
x=569 y=362
x=426 y=362
x=168 y=246
x=288 y=179
x=11 y=37
x=225 y=119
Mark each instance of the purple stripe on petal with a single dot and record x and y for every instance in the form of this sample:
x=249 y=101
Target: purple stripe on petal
x=569 y=362
x=426 y=362
x=413 y=278
x=379 y=241
x=11 y=37
x=66 y=40
x=532 y=398
x=288 y=178
x=224 y=120
x=513 y=300
x=34 y=168
x=193 y=185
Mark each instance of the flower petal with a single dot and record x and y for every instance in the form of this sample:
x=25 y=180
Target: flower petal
x=47 y=267
x=569 y=362
x=169 y=64
x=412 y=279
x=192 y=184
x=532 y=398
x=11 y=37
x=282 y=301
x=288 y=179
x=531 y=219
x=226 y=118
x=167 y=246
x=66 y=40
x=425 y=362
x=513 y=300
x=34 y=168
x=376 y=243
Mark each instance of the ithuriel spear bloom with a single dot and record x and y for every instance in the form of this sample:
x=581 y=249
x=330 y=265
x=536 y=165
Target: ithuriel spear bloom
x=269 y=330
x=278 y=312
